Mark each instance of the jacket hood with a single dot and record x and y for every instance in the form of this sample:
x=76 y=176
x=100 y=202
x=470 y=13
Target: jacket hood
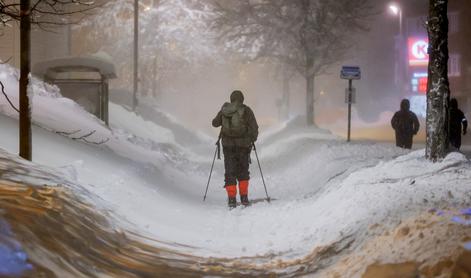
x=405 y=105
x=237 y=96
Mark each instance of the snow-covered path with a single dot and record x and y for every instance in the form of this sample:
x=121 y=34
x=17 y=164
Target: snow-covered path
x=324 y=190
x=152 y=181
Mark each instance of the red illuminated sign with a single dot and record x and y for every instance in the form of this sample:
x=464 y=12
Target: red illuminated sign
x=418 y=51
x=422 y=85
x=419 y=82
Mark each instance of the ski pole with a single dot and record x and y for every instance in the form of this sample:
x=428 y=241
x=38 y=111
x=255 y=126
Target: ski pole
x=217 y=152
x=261 y=173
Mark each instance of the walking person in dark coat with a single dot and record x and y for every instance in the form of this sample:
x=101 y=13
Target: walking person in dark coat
x=458 y=124
x=238 y=133
x=405 y=124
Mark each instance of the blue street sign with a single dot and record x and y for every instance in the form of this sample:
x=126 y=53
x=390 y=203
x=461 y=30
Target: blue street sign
x=350 y=72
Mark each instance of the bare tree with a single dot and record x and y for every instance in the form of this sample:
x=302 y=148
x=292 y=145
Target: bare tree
x=173 y=37
x=283 y=73
x=308 y=35
x=438 y=90
x=44 y=14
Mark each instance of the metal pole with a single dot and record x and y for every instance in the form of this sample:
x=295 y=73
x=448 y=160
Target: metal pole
x=400 y=23
x=261 y=173
x=401 y=61
x=136 y=55
x=210 y=173
x=349 y=109
x=154 y=77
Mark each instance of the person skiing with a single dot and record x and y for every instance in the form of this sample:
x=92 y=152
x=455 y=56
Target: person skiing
x=239 y=130
x=405 y=124
x=458 y=124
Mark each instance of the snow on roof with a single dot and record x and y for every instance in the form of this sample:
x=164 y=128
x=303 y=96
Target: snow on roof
x=99 y=62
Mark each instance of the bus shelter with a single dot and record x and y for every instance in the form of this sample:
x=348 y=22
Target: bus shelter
x=82 y=79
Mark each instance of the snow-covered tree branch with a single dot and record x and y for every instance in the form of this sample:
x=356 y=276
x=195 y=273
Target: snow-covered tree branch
x=309 y=36
x=173 y=35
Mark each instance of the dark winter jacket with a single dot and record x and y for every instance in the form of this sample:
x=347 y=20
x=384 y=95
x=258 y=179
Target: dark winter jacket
x=405 y=124
x=458 y=124
x=250 y=122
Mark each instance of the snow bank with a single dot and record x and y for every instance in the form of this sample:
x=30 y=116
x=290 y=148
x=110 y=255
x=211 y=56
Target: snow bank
x=295 y=127
x=430 y=242
x=393 y=190
x=55 y=113
x=49 y=109
x=184 y=135
x=121 y=118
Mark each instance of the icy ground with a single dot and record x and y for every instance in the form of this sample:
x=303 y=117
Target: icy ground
x=153 y=181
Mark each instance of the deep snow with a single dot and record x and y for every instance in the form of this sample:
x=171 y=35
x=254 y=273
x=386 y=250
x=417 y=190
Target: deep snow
x=324 y=188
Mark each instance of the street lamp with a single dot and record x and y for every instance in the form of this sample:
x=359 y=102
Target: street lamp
x=396 y=10
x=136 y=51
x=136 y=55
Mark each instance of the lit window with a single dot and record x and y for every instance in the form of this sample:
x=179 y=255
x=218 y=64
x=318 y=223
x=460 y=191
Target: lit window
x=454 y=65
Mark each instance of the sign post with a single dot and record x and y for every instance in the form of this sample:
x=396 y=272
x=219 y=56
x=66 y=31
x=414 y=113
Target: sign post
x=351 y=73
x=349 y=109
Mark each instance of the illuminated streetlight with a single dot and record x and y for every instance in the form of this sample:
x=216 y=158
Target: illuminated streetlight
x=394 y=9
x=397 y=11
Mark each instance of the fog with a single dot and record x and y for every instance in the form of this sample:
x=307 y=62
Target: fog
x=130 y=185
x=192 y=76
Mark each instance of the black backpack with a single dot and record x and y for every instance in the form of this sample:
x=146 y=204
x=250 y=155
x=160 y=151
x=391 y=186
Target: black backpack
x=233 y=120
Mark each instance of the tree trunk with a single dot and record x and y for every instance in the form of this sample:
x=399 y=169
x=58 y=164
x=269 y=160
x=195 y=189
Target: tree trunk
x=308 y=75
x=25 y=69
x=285 y=101
x=154 y=77
x=438 y=91
x=135 y=56
x=310 y=100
